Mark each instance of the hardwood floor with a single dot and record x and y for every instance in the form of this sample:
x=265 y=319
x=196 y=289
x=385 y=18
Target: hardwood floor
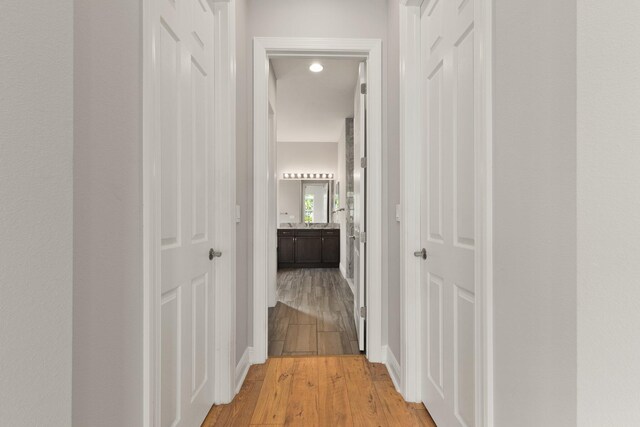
x=318 y=391
x=313 y=315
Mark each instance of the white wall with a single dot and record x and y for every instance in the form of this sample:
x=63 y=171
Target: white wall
x=535 y=213
x=301 y=18
x=36 y=143
x=307 y=157
x=289 y=197
x=391 y=188
x=108 y=316
x=244 y=184
x=301 y=157
x=608 y=213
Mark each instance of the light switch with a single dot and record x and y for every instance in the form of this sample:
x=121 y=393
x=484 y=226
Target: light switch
x=398 y=213
x=237 y=213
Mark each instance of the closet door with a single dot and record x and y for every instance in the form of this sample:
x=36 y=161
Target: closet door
x=449 y=82
x=183 y=43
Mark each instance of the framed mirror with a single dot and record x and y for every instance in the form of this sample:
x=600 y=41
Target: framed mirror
x=315 y=202
x=305 y=201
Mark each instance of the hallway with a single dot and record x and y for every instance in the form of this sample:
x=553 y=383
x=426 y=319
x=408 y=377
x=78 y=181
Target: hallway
x=313 y=315
x=318 y=391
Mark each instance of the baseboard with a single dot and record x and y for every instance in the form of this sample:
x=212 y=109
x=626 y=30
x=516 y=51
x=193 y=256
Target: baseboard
x=343 y=271
x=393 y=367
x=243 y=367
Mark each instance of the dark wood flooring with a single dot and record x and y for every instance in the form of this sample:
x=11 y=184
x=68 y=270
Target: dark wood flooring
x=314 y=314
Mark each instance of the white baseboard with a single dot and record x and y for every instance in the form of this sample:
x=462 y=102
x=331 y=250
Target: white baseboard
x=352 y=286
x=243 y=367
x=393 y=367
x=343 y=271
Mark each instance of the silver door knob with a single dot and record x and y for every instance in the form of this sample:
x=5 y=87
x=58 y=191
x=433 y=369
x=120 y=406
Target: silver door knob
x=214 y=254
x=421 y=253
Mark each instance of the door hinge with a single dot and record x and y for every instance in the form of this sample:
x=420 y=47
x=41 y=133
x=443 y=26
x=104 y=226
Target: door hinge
x=363 y=312
x=363 y=162
x=363 y=88
x=363 y=237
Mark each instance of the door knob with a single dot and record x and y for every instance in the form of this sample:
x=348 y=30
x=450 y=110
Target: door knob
x=214 y=254
x=421 y=253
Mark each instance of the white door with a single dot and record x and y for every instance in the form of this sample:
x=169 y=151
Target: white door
x=359 y=205
x=448 y=211
x=273 y=212
x=183 y=38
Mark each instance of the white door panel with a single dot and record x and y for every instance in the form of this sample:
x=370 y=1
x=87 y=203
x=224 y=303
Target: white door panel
x=448 y=190
x=184 y=100
x=359 y=206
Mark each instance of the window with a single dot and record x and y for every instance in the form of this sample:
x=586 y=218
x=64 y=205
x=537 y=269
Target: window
x=308 y=207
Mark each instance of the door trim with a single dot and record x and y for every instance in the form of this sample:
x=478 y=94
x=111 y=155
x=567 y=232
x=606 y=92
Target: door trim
x=223 y=345
x=225 y=206
x=410 y=143
x=371 y=50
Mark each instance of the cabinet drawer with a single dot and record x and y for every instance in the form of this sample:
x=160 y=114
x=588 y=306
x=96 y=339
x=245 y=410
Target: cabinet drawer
x=286 y=233
x=331 y=232
x=308 y=233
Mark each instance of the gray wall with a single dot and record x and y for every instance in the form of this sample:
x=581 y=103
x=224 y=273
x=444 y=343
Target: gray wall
x=36 y=143
x=304 y=18
x=608 y=213
x=535 y=213
x=391 y=182
x=244 y=185
x=107 y=341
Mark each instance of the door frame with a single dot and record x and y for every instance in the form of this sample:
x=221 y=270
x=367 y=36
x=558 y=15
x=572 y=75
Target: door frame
x=410 y=146
x=370 y=50
x=222 y=349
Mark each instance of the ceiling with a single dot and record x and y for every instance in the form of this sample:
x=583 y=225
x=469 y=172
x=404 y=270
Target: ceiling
x=311 y=107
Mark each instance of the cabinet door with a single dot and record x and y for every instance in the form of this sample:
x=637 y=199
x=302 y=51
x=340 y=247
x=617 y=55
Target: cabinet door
x=308 y=249
x=286 y=250
x=330 y=249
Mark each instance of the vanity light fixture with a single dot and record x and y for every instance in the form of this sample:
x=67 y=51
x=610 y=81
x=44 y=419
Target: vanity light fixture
x=290 y=175
x=316 y=67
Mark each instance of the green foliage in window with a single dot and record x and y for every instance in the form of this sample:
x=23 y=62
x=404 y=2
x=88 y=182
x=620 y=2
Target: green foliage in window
x=308 y=208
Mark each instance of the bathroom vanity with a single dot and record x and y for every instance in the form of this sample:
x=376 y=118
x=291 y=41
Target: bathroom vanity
x=309 y=246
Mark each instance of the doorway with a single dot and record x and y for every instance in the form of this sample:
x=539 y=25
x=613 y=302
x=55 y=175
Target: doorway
x=304 y=245
x=312 y=309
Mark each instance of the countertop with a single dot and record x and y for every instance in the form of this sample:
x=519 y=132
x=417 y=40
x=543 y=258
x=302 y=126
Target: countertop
x=312 y=226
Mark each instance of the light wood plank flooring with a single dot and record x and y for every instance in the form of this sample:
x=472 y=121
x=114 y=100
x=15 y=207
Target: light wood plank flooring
x=313 y=315
x=318 y=391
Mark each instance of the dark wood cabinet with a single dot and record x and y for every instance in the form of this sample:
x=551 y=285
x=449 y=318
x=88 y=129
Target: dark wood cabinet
x=308 y=248
x=331 y=249
x=286 y=246
x=286 y=250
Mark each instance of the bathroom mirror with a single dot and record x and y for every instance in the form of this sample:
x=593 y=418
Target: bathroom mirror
x=305 y=201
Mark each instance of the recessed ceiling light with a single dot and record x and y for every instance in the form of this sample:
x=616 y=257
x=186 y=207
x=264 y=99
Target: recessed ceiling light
x=316 y=67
